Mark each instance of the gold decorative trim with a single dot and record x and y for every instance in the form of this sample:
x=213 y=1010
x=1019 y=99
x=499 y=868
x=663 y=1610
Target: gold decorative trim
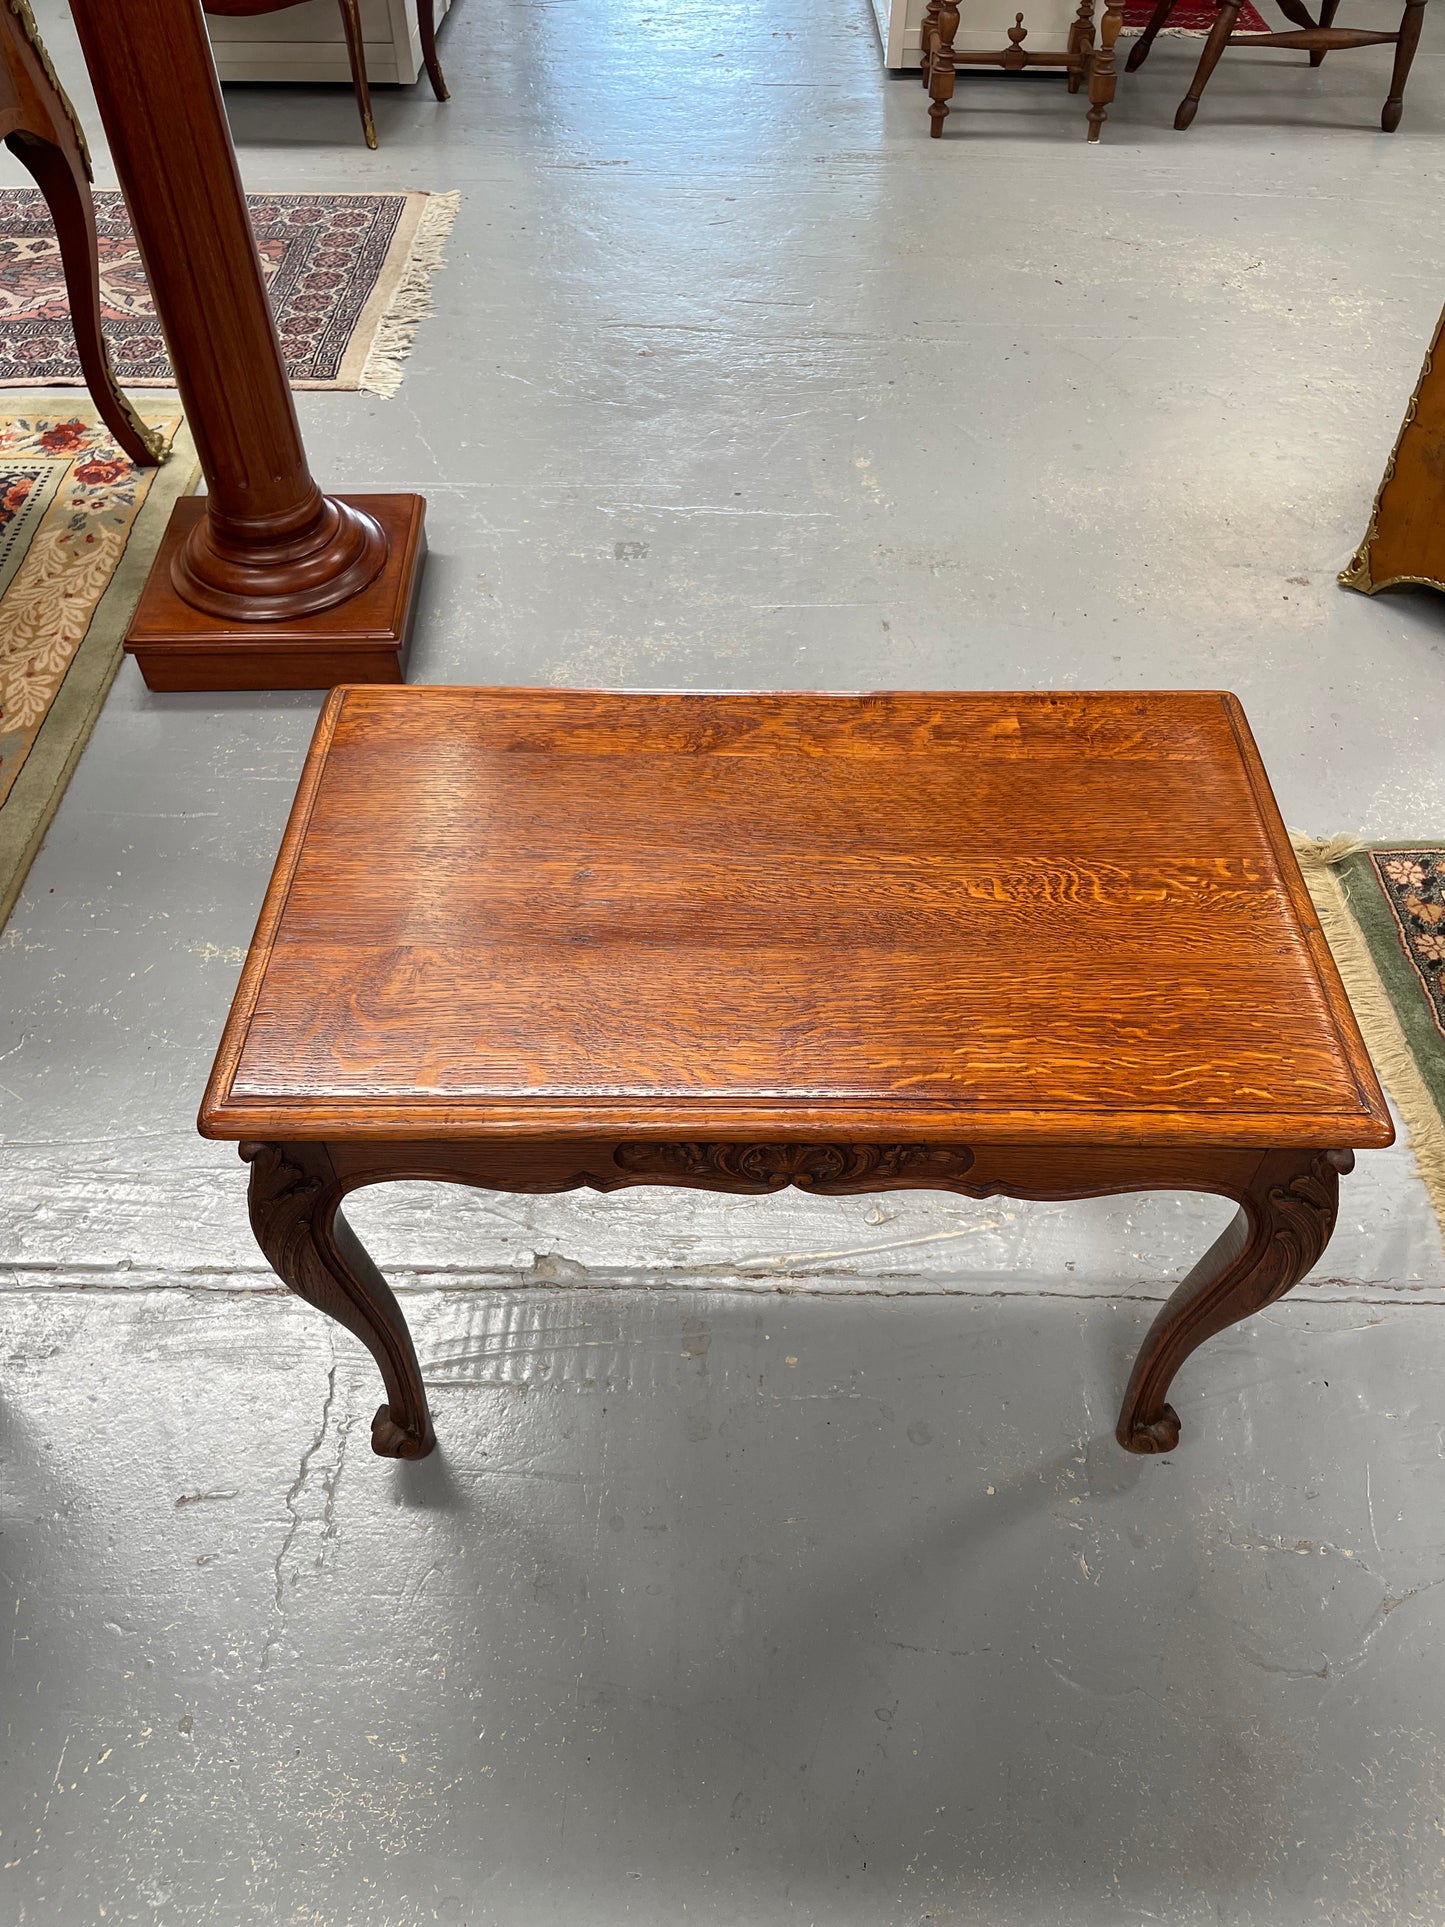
x=1357 y=575
x=21 y=11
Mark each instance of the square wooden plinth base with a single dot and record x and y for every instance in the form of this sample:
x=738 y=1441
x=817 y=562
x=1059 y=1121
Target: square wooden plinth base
x=363 y=640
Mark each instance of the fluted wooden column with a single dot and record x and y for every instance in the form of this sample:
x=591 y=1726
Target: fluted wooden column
x=266 y=583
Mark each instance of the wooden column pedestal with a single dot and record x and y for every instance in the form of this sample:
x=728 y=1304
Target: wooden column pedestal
x=263 y=583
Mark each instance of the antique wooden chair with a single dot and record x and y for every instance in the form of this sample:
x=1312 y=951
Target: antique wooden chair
x=355 y=47
x=1317 y=37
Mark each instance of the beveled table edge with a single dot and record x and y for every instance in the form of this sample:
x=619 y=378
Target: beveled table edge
x=308 y=1121
x=496 y=1117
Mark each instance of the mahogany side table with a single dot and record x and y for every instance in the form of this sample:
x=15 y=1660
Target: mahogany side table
x=1043 y=945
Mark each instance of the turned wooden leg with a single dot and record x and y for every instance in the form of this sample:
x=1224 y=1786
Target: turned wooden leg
x=1214 y=46
x=61 y=179
x=1411 y=22
x=1103 y=80
x=927 y=29
x=1081 y=44
x=1285 y=1220
x=356 y=54
x=426 y=20
x=1327 y=19
x=1139 y=52
x=293 y=1199
x=940 y=67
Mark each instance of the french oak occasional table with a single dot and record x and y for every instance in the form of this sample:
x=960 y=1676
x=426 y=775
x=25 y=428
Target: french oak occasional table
x=1041 y=945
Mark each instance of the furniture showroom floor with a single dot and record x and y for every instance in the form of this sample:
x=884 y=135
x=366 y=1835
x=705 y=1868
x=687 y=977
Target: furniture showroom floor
x=777 y=1562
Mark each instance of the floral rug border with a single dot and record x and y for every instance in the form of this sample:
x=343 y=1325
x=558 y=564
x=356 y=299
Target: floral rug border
x=79 y=688
x=1382 y=908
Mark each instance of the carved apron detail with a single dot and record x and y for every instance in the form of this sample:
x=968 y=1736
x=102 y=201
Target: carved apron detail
x=808 y=1166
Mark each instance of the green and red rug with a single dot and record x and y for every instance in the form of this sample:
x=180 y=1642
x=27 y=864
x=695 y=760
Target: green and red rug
x=1382 y=906
x=1190 y=19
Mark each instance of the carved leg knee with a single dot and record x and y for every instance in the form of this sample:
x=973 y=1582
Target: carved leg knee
x=1284 y=1224
x=294 y=1197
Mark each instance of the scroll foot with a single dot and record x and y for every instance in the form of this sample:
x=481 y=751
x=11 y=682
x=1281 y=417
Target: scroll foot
x=293 y=1200
x=1286 y=1216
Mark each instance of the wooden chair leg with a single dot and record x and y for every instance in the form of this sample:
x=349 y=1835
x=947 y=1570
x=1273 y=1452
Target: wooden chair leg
x=1214 y=46
x=1139 y=52
x=940 y=67
x=356 y=54
x=1081 y=44
x=925 y=39
x=60 y=176
x=1327 y=19
x=1103 y=76
x=1411 y=22
x=426 y=20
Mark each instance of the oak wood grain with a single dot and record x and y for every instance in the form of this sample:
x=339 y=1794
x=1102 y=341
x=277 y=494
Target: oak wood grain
x=1043 y=918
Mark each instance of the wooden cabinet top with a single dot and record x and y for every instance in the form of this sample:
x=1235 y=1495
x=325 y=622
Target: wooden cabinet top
x=1069 y=918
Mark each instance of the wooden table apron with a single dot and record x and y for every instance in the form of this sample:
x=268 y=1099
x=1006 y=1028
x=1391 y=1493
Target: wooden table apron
x=1288 y=1200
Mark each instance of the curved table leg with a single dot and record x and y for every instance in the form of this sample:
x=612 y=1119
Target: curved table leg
x=356 y=54
x=426 y=20
x=294 y=1197
x=61 y=179
x=1286 y=1216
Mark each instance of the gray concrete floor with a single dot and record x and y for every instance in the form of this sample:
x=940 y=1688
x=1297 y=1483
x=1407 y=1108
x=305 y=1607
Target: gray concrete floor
x=777 y=1563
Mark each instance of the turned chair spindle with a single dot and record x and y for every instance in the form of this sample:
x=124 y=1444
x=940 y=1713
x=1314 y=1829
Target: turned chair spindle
x=1316 y=37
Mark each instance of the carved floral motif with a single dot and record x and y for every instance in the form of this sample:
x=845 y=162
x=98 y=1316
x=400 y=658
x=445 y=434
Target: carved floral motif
x=809 y=1166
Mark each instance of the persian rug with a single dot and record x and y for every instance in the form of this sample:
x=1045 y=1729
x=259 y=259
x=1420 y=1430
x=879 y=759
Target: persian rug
x=1189 y=19
x=79 y=528
x=349 y=276
x=1382 y=906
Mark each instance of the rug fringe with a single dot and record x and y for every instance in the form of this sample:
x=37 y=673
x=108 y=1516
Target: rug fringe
x=1371 y=1001
x=382 y=371
x=1324 y=849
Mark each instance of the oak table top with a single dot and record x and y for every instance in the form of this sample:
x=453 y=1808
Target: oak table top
x=1048 y=944
x=531 y=911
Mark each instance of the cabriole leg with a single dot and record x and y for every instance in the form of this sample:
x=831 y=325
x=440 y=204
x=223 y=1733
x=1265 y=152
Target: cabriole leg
x=356 y=54
x=293 y=1200
x=1286 y=1216
x=426 y=20
x=60 y=176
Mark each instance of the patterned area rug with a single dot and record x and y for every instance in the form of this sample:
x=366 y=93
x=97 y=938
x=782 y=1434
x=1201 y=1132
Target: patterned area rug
x=79 y=527
x=1382 y=906
x=1189 y=18
x=349 y=277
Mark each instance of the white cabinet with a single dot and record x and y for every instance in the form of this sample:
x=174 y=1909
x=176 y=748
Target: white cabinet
x=984 y=24
x=306 y=43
